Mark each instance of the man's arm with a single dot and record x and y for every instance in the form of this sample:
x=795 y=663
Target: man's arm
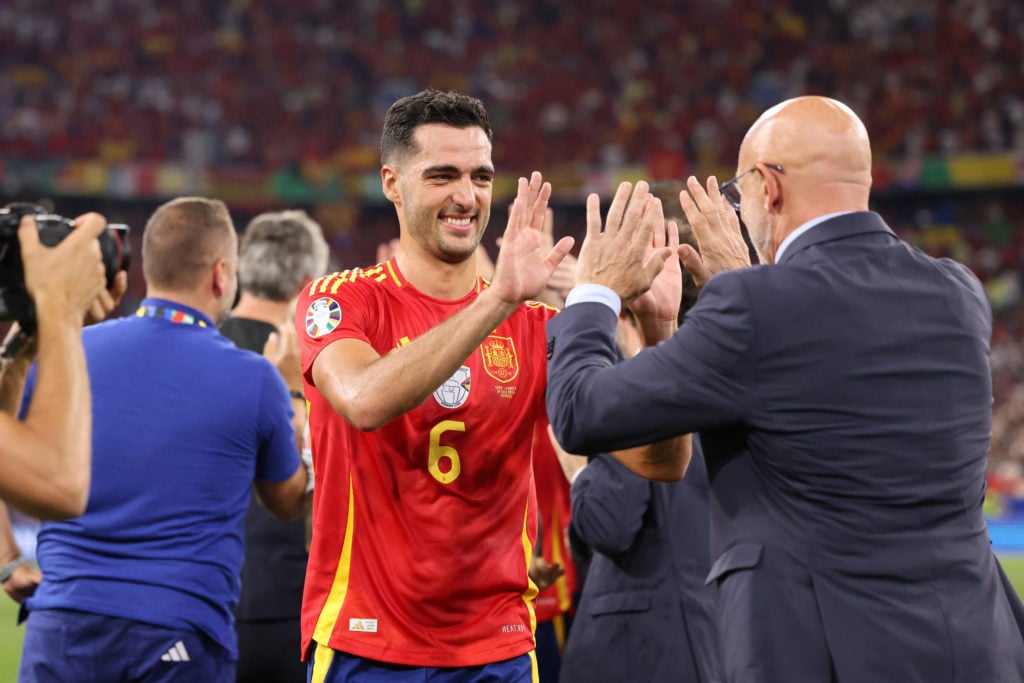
x=608 y=505
x=284 y=499
x=351 y=375
x=287 y=499
x=290 y=499
x=45 y=460
x=24 y=578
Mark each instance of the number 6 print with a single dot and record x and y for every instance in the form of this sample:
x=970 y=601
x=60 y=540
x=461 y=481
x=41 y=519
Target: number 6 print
x=438 y=452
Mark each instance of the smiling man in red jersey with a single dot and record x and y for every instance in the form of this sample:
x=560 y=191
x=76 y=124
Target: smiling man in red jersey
x=424 y=383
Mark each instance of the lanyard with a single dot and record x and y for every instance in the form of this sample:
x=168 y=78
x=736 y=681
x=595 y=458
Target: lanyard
x=168 y=313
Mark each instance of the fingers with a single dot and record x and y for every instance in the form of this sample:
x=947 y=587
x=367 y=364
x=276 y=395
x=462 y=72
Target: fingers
x=118 y=288
x=270 y=348
x=702 y=197
x=559 y=252
x=618 y=207
x=540 y=194
x=564 y=276
x=99 y=308
x=656 y=262
x=518 y=207
x=593 y=217
x=288 y=339
x=672 y=228
x=28 y=234
x=694 y=265
x=659 y=238
x=547 y=230
x=87 y=226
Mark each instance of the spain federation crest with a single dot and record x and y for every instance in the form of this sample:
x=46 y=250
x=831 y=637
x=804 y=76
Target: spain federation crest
x=455 y=390
x=500 y=360
x=322 y=317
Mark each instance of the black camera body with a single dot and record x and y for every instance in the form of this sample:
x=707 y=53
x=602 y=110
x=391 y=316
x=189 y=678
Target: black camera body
x=15 y=301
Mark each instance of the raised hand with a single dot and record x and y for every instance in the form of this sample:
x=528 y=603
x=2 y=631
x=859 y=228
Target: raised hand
x=524 y=267
x=282 y=349
x=660 y=303
x=68 y=277
x=108 y=299
x=544 y=574
x=618 y=256
x=717 y=229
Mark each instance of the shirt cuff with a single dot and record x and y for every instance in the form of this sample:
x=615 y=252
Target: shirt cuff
x=595 y=293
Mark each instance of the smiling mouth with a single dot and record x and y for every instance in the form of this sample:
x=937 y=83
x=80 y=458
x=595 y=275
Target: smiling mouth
x=458 y=223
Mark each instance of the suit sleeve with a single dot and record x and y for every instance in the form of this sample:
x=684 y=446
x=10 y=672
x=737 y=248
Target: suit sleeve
x=699 y=378
x=608 y=505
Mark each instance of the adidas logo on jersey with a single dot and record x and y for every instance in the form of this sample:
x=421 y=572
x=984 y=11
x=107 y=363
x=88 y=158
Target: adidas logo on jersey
x=363 y=625
x=177 y=653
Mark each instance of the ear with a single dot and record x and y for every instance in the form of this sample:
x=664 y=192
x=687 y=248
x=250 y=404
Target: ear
x=771 y=189
x=389 y=182
x=219 y=278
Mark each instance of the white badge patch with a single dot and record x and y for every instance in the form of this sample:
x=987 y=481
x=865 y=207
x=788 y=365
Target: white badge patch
x=322 y=317
x=455 y=390
x=363 y=625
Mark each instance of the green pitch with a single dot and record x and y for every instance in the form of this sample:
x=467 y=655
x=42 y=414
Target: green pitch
x=11 y=635
x=10 y=639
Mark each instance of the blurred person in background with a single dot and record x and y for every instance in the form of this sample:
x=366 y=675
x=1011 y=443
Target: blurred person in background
x=143 y=585
x=279 y=254
x=645 y=613
x=843 y=393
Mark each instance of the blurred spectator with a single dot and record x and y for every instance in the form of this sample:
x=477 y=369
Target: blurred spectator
x=214 y=85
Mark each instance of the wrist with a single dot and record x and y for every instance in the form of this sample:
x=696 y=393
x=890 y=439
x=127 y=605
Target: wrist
x=7 y=570
x=498 y=308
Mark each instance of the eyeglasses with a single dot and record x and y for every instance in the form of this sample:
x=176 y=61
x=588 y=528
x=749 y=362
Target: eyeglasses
x=731 y=190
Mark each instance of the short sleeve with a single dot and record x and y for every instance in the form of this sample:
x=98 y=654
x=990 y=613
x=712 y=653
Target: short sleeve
x=330 y=309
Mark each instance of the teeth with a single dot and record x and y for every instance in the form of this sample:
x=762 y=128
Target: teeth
x=461 y=222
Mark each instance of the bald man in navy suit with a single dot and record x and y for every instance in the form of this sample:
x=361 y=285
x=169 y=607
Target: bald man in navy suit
x=843 y=395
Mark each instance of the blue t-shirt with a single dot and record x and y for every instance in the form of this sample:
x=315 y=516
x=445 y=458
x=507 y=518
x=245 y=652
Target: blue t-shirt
x=183 y=422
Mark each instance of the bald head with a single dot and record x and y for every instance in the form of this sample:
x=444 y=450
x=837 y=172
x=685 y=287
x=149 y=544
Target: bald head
x=817 y=140
x=813 y=158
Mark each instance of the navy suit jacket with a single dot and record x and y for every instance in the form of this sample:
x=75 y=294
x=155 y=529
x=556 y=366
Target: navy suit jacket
x=844 y=402
x=645 y=613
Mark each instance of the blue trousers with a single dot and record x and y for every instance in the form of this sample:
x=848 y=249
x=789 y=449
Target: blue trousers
x=66 y=645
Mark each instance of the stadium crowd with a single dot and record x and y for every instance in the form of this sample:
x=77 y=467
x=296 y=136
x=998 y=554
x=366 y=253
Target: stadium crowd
x=215 y=84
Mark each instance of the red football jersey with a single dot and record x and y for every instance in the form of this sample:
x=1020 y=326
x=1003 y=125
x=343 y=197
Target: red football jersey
x=555 y=506
x=423 y=529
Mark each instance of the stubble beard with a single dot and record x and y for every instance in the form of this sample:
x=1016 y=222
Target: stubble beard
x=453 y=251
